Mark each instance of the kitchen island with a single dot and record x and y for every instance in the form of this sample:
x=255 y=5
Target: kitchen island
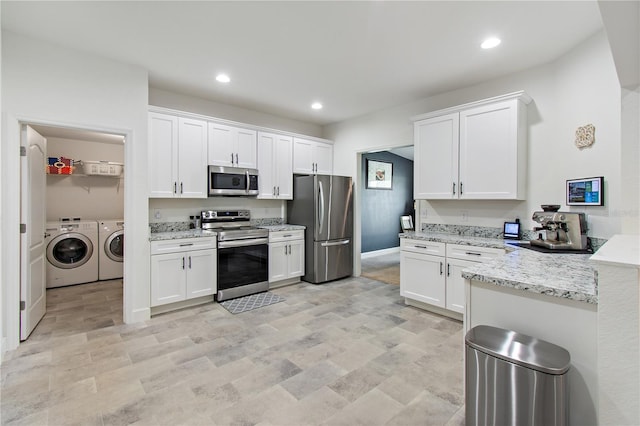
x=549 y=296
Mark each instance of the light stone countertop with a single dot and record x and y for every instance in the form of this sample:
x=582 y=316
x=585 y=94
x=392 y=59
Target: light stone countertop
x=199 y=233
x=175 y=235
x=569 y=276
x=283 y=227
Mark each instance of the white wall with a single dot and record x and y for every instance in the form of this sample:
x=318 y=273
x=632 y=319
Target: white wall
x=87 y=197
x=48 y=84
x=579 y=88
x=166 y=99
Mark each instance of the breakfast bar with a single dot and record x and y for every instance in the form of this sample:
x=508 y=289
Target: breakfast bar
x=549 y=296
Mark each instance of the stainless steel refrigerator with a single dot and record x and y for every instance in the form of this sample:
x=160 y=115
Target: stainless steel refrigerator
x=324 y=204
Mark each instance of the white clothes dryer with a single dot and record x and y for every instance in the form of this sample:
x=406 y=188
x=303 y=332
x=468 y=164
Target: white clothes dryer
x=72 y=252
x=111 y=243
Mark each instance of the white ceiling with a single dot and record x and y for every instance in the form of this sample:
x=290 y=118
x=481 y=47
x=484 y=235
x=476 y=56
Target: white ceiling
x=355 y=57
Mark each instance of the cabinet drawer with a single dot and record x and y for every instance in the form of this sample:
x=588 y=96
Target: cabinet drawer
x=276 y=236
x=422 y=246
x=475 y=254
x=182 y=244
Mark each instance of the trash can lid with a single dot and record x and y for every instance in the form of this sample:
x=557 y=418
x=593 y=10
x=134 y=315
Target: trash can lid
x=519 y=349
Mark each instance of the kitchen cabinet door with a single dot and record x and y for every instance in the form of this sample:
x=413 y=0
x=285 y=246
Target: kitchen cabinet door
x=192 y=154
x=436 y=157
x=296 y=258
x=422 y=278
x=455 y=296
x=201 y=273
x=168 y=278
x=232 y=146
x=278 y=261
x=163 y=149
x=492 y=151
x=312 y=157
x=275 y=164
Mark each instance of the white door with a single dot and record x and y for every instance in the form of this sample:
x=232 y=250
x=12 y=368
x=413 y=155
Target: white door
x=266 y=183
x=455 y=284
x=33 y=293
x=246 y=148
x=201 y=273
x=324 y=158
x=192 y=158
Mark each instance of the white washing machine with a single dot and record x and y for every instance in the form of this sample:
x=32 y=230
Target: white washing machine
x=72 y=252
x=111 y=243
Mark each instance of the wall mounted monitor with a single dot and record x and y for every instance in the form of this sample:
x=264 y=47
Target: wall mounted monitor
x=585 y=192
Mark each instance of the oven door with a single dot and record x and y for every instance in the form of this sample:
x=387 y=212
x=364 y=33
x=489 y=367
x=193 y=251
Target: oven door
x=243 y=267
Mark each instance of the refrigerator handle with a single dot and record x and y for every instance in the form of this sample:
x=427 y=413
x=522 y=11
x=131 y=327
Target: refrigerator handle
x=335 y=243
x=320 y=207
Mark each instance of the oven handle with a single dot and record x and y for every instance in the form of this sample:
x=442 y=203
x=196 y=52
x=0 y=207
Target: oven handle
x=242 y=243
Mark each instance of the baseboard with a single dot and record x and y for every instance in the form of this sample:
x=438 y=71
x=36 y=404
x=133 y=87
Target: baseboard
x=3 y=348
x=283 y=283
x=163 y=309
x=380 y=252
x=434 y=309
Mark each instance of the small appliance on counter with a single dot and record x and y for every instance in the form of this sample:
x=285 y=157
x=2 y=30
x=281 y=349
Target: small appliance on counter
x=563 y=231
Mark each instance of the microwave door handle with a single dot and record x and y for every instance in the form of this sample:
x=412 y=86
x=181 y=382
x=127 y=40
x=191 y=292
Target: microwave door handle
x=320 y=206
x=246 y=173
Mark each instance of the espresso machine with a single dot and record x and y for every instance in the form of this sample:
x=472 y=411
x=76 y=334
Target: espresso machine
x=563 y=230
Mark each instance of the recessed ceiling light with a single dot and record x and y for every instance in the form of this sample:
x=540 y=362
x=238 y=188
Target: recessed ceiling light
x=490 y=43
x=223 y=78
x=316 y=105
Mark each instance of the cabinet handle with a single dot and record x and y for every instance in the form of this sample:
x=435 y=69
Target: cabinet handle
x=175 y=187
x=448 y=269
x=186 y=244
x=189 y=262
x=274 y=191
x=419 y=246
x=236 y=158
x=460 y=188
x=287 y=235
x=232 y=158
x=470 y=253
x=454 y=188
x=441 y=268
x=278 y=191
x=181 y=187
x=182 y=262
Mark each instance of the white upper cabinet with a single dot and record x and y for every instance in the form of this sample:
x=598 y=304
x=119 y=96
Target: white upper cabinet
x=312 y=157
x=275 y=166
x=177 y=157
x=232 y=146
x=474 y=151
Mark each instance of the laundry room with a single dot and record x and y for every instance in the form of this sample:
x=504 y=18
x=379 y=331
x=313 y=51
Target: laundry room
x=84 y=202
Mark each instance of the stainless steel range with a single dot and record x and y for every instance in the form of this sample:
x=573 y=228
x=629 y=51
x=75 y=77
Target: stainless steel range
x=243 y=253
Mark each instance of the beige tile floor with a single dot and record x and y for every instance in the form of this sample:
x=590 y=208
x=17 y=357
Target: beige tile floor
x=343 y=353
x=385 y=268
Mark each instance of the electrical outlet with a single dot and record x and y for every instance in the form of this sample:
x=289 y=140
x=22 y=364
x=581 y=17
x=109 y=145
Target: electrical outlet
x=465 y=216
x=157 y=214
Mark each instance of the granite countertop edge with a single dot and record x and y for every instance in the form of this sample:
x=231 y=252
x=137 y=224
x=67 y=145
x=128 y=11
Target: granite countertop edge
x=199 y=233
x=520 y=269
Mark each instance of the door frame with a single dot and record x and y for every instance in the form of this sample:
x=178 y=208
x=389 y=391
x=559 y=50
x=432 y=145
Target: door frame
x=10 y=231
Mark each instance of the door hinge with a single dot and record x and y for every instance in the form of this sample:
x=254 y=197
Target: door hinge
x=23 y=228
x=23 y=151
x=23 y=305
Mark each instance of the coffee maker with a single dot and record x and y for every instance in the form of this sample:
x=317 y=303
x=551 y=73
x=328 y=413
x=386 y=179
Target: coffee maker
x=563 y=230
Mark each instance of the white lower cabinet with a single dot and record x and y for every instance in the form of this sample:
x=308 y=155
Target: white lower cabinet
x=430 y=272
x=286 y=255
x=182 y=269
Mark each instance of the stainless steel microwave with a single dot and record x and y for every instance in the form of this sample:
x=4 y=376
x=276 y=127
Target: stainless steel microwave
x=232 y=181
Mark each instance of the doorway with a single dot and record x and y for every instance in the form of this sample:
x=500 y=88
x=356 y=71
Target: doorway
x=381 y=206
x=84 y=190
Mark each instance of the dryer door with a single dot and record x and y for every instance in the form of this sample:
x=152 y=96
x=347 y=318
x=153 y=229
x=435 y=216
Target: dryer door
x=68 y=251
x=114 y=246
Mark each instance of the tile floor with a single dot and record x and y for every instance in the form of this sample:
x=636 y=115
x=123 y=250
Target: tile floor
x=343 y=353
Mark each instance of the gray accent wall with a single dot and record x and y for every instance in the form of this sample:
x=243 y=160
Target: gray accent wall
x=382 y=208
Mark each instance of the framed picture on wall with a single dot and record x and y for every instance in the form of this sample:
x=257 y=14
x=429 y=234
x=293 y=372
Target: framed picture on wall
x=379 y=174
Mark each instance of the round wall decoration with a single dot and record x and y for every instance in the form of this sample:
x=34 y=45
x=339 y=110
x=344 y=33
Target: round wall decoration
x=585 y=136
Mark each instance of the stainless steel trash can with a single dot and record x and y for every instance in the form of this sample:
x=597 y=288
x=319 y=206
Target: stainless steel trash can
x=514 y=379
